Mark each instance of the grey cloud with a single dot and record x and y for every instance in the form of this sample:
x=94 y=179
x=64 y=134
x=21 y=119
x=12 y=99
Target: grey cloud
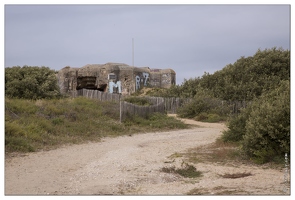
x=189 y=39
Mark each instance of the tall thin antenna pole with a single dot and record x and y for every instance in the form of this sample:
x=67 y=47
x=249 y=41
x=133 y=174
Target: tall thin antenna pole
x=133 y=64
x=133 y=52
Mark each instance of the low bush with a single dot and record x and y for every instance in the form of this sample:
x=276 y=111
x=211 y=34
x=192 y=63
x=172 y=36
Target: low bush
x=201 y=117
x=204 y=117
x=141 y=101
x=236 y=127
x=187 y=171
x=205 y=108
x=31 y=82
x=263 y=128
x=267 y=136
x=156 y=121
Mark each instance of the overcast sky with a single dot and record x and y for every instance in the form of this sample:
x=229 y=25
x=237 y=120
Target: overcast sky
x=189 y=39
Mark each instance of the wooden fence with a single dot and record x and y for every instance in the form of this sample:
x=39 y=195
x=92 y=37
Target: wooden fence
x=128 y=109
x=173 y=103
x=96 y=94
x=159 y=104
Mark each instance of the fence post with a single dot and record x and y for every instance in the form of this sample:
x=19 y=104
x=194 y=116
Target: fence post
x=120 y=111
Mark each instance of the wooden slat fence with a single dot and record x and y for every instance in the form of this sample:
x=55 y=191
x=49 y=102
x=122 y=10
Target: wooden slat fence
x=96 y=94
x=128 y=109
x=173 y=103
x=162 y=105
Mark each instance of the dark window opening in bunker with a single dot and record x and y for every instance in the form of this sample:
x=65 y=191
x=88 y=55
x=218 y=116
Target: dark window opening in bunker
x=112 y=76
x=89 y=82
x=102 y=87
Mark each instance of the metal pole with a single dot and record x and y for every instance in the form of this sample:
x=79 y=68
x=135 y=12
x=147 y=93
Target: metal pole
x=120 y=111
x=133 y=52
x=133 y=64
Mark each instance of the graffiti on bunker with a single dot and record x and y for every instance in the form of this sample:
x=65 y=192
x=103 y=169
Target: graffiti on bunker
x=113 y=85
x=141 y=80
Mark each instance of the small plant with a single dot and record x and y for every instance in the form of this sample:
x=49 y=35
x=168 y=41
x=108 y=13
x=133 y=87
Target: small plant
x=212 y=118
x=187 y=171
x=198 y=191
x=236 y=175
x=141 y=101
x=156 y=121
x=201 y=117
x=176 y=155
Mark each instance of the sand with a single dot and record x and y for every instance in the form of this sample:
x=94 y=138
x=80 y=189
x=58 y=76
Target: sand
x=131 y=165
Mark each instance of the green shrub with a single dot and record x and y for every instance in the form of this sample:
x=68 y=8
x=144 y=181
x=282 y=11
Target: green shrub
x=156 y=121
x=245 y=79
x=187 y=171
x=31 y=82
x=201 y=117
x=267 y=136
x=20 y=106
x=194 y=108
x=214 y=118
x=203 y=106
x=141 y=101
x=17 y=144
x=57 y=121
x=236 y=127
x=263 y=128
x=13 y=129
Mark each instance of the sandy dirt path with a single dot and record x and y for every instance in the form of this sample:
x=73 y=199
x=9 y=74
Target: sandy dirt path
x=131 y=165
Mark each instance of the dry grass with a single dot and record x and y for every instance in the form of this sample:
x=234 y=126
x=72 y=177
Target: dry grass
x=187 y=171
x=218 y=152
x=222 y=153
x=197 y=191
x=219 y=190
x=236 y=175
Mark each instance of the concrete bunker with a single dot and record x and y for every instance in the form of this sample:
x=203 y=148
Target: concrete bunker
x=113 y=78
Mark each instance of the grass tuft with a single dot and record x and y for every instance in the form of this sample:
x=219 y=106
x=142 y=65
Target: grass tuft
x=236 y=175
x=218 y=152
x=187 y=171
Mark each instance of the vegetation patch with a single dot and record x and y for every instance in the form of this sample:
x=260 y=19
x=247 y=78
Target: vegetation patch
x=156 y=121
x=212 y=118
x=187 y=171
x=141 y=101
x=219 y=190
x=205 y=108
x=33 y=125
x=31 y=82
x=236 y=175
x=218 y=152
x=263 y=128
x=198 y=191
